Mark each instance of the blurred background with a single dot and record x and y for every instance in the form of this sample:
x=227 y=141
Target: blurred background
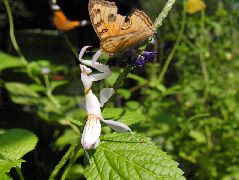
x=188 y=95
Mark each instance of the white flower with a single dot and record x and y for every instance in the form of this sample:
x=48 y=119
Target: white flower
x=92 y=129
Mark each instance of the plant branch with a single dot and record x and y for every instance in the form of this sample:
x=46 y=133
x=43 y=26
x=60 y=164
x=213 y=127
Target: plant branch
x=12 y=36
x=15 y=44
x=77 y=153
x=168 y=6
x=19 y=172
x=202 y=60
x=64 y=159
x=171 y=55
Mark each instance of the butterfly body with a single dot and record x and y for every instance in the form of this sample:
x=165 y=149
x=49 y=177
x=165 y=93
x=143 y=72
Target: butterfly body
x=116 y=32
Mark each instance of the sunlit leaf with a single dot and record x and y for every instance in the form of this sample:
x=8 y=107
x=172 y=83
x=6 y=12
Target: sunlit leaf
x=6 y=165
x=7 y=61
x=15 y=143
x=126 y=116
x=4 y=176
x=120 y=156
x=22 y=93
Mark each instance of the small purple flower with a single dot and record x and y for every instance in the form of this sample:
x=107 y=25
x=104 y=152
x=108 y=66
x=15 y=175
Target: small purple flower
x=143 y=58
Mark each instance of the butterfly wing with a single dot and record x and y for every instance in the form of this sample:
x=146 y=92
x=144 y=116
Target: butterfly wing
x=62 y=23
x=115 y=31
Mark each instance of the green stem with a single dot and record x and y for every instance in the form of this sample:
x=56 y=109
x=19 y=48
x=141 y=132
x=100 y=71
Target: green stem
x=77 y=153
x=12 y=36
x=120 y=80
x=64 y=160
x=158 y=22
x=19 y=172
x=49 y=91
x=72 y=48
x=171 y=55
x=168 y=6
x=15 y=44
x=202 y=60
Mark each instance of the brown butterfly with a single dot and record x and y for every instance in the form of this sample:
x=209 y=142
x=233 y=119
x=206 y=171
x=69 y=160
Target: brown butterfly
x=60 y=20
x=116 y=32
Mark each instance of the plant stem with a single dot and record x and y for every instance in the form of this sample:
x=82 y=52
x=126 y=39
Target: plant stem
x=168 y=6
x=171 y=55
x=19 y=172
x=15 y=44
x=202 y=60
x=64 y=159
x=49 y=92
x=73 y=158
x=120 y=80
x=72 y=48
x=12 y=36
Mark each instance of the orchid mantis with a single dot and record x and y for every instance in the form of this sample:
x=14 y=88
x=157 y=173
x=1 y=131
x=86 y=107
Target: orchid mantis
x=92 y=129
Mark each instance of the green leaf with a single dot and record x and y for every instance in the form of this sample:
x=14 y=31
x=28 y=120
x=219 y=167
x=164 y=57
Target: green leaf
x=198 y=136
x=55 y=84
x=119 y=156
x=37 y=66
x=6 y=165
x=110 y=80
x=15 y=143
x=76 y=122
x=37 y=87
x=65 y=139
x=125 y=93
x=126 y=116
x=4 y=176
x=8 y=61
x=75 y=172
x=137 y=78
x=22 y=93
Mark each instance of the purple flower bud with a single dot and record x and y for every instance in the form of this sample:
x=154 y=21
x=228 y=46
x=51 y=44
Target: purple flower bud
x=142 y=59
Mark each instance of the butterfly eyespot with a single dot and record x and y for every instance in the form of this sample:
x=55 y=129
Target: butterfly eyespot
x=111 y=17
x=127 y=23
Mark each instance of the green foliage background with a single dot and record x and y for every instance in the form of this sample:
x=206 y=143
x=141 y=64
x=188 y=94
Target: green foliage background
x=191 y=112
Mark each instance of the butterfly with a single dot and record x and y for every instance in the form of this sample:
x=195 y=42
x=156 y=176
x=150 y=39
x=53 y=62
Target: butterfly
x=118 y=33
x=60 y=20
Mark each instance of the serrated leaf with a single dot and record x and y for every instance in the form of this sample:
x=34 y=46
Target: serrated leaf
x=21 y=93
x=126 y=116
x=15 y=143
x=7 y=61
x=6 y=165
x=76 y=122
x=119 y=156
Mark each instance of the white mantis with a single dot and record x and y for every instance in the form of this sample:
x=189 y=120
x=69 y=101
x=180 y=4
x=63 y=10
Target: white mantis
x=92 y=129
